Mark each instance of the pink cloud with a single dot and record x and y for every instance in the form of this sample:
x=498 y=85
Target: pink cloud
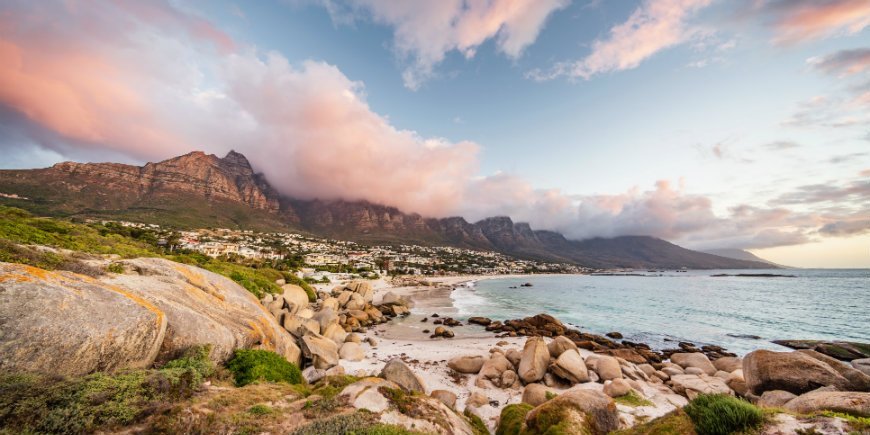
x=425 y=32
x=654 y=26
x=800 y=20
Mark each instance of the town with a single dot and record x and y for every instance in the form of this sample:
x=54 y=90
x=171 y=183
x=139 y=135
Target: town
x=327 y=260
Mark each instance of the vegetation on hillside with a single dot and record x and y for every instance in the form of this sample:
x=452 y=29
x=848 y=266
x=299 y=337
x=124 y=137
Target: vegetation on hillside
x=58 y=244
x=720 y=414
x=251 y=365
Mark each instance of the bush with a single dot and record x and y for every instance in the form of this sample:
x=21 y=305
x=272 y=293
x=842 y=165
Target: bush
x=720 y=414
x=250 y=365
x=512 y=418
x=195 y=360
x=477 y=425
x=260 y=409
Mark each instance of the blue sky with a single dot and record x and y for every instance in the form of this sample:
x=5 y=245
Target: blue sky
x=715 y=124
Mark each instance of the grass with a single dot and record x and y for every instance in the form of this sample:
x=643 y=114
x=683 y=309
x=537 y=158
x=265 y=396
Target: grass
x=478 y=427
x=674 y=423
x=632 y=399
x=512 y=418
x=720 y=414
x=261 y=409
x=251 y=365
x=358 y=423
x=31 y=403
x=857 y=424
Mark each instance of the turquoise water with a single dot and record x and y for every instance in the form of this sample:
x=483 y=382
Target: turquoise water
x=688 y=306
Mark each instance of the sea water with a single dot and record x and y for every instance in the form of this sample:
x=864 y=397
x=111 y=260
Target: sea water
x=662 y=308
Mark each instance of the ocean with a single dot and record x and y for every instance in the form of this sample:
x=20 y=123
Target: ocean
x=739 y=313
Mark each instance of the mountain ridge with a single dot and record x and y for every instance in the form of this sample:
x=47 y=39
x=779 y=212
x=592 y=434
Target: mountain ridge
x=199 y=189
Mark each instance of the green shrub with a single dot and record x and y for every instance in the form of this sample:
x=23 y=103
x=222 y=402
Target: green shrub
x=260 y=409
x=720 y=414
x=115 y=268
x=195 y=360
x=512 y=418
x=673 y=423
x=250 y=365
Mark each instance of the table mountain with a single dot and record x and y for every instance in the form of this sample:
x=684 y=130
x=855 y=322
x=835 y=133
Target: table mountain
x=200 y=190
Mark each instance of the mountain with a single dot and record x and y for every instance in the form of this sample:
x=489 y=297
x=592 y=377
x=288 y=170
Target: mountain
x=199 y=190
x=740 y=254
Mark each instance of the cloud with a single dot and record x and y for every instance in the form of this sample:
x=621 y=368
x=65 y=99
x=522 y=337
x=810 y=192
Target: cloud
x=802 y=20
x=118 y=92
x=781 y=145
x=843 y=62
x=654 y=26
x=846 y=228
x=424 y=32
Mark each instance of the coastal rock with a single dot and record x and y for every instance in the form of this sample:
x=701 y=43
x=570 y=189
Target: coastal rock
x=365 y=394
x=534 y=361
x=848 y=402
x=396 y=371
x=391 y=298
x=774 y=399
x=794 y=372
x=466 y=364
x=335 y=333
x=536 y=394
x=293 y=294
x=514 y=356
x=322 y=351
x=482 y=321
x=491 y=372
x=312 y=374
x=858 y=381
x=692 y=385
x=352 y=338
x=58 y=322
x=694 y=360
x=607 y=367
x=629 y=355
x=571 y=367
x=728 y=363
x=842 y=350
x=325 y=317
x=202 y=307
x=331 y=303
x=446 y=397
x=862 y=365
x=351 y=352
x=576 y=408
x=617 y=388
x=510 y=379
x=560 y=344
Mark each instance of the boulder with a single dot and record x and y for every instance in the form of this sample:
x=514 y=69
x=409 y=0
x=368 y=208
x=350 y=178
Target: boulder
x=510 y=379
x=322 y=351
x=69 y=324
x=607 y=367
x=774 y=399
x=365 y=394
x=536 y=394
x=372 y=342
x=492 y=370
x=466 y=364
x=570 y=366
x=858 y=381
x=560 y=344
x=574 y=411
x=483 y=321
x=396 y=371
x=862 y=365
x=514 y=356
x=692 y=385
x=391 y=298
x=202 y=307
x=331 y=303
x=325 y=317
x=352 y=338
x=446 y=397
x=695 y=360
x=794 y=372
x=300 y=326
x=617 y=387
x=534 y=361
x=335 y=333
x=848 y=402
x=476 y=400
x=351 y=352
x=356 y=302
x=728 y=363
x=312 y=374
x=293 y=294
x=343 y=298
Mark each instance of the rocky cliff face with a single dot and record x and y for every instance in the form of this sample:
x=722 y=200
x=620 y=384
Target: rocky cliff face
x=212 y=191
x=230 y=178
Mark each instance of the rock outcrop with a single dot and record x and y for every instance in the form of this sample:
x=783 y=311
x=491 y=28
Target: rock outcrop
x=794 y=372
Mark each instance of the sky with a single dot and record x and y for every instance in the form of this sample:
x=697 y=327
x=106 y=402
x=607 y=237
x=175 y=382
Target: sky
x=710 y=123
